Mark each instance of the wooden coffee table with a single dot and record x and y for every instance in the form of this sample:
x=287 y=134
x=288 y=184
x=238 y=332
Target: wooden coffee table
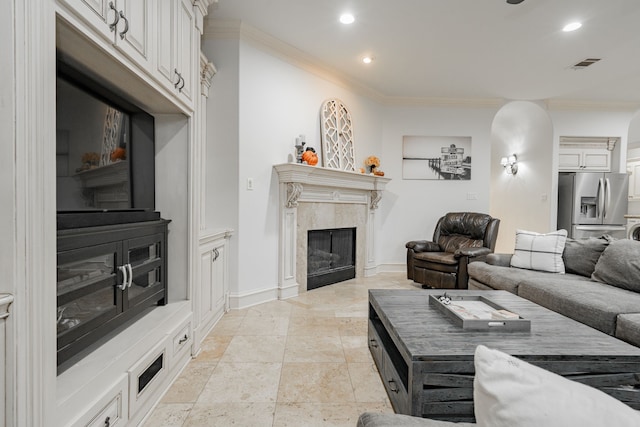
x=426 y=361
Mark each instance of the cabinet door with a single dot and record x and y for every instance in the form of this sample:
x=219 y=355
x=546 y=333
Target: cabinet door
x=185 y=45
x=596 y=160
x=166 y=43
x=88 y=292
x=218 y=280
x=211 y=292
x=205 y=299
x=569 y=159
x=102 y=15
x=634 y=180
x=133 y=31
x=146 y=259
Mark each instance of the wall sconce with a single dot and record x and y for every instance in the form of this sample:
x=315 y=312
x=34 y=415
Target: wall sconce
x=510 y=164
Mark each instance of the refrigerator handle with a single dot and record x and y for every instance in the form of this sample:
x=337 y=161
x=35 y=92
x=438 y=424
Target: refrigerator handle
x=607 y=192
x=601 y=201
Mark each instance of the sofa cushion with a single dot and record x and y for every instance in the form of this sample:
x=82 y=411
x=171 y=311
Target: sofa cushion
x=375 y=419
x=511 y=392
x=593 y=303
x=542 y=252
x=619 y=265
x=581 y=255
x=508 y=279
x=628 y=328
x=437 y=257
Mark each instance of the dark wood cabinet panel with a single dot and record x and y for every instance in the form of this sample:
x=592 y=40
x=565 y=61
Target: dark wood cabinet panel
x=106 y=277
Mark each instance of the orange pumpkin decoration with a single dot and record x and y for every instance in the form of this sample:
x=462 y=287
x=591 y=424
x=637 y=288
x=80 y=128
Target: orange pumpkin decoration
x=310 y=157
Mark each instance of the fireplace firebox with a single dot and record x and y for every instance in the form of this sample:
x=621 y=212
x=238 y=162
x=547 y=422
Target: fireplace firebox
x=331 y=256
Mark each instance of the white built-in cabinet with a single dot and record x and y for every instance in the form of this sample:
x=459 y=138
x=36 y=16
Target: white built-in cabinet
x=633 y=169
x=213 y=298
x=124 y=23
x=175 y=33
x=158 y=42
x=158 y=36
x=581 y=159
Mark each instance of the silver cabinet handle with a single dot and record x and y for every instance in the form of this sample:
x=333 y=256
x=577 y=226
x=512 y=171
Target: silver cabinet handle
x=112 y=26
x=126 y=25
x=107 y=422
x=393 y=386
x=183 y=339
x=130 y=275
x=182 y=86
x=125 y=280
x=374 y=343
x=179 y=78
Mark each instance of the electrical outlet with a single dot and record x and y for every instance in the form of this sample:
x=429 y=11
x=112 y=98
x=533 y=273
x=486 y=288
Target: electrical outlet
x=249 y=183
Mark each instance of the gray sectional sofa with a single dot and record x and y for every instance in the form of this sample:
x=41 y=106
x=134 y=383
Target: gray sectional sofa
x=600 y=287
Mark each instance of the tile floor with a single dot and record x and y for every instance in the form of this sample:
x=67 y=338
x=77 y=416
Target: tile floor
x=299 y=362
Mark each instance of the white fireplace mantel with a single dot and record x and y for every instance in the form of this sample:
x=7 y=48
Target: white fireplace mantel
x=314 y=184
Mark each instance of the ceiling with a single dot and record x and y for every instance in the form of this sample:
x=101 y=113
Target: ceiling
x=462 y=49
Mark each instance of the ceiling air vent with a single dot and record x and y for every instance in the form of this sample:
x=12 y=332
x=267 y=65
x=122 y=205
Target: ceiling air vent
x=585 y=63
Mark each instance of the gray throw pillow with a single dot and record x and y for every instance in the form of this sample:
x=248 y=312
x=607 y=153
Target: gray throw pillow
x=619 y=265
x=581 y=255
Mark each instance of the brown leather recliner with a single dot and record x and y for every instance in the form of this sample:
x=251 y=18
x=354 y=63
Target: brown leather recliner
x=459 y=238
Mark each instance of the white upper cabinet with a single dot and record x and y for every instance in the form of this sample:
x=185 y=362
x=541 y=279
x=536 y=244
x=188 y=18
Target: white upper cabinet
x=160 y=37
x=590 y=155
x=175 y=47
x=133 y=29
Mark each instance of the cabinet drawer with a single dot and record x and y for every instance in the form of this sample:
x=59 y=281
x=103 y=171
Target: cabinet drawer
x=396 y=389
x=375 y=346
x=110 y=416
x=181 y=341
x=110 y=410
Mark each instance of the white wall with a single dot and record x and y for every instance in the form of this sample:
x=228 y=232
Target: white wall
x=410 y=209
x=524 y=200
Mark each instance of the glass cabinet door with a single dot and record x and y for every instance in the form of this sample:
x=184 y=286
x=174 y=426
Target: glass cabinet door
x=87 y=291
x=145 y=257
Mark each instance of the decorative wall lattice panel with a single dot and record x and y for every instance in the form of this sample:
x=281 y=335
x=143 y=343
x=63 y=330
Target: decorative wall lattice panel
x=337 y=136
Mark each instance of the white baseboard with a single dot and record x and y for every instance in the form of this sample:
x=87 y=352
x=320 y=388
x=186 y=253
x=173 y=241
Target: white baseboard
x=249 y=299
x=392 y=268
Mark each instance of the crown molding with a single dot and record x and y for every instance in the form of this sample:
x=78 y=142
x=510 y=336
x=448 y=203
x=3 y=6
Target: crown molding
x=238 y=30
x=586 y=105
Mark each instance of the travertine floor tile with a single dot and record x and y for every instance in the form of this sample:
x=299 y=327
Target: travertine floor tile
x=356 y=349
x=314 y=326
x=316 y=415
x=242 y=382
x=255 y=349
x=213 y=347
x=366 y=383
x=300 y=362
x=231 y=414
x=169 y=415
x=313 y=348
x=190 y=383
x=315 y=383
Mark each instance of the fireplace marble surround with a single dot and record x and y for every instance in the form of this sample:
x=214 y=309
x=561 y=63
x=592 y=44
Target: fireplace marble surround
x=312 y=198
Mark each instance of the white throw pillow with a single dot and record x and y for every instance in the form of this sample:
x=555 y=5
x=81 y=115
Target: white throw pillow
x=509 y=392
x=542 y=252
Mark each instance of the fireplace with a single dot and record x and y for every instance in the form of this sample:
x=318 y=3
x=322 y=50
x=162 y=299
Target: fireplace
x=317 y=198
x=331 y=256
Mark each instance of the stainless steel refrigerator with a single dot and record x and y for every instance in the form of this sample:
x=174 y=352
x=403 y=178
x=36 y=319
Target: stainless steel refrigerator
x=591 y=204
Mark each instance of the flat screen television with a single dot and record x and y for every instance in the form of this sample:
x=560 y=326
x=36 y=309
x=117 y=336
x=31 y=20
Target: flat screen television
x=105 y=155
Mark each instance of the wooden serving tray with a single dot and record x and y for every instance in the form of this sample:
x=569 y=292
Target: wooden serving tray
x=473 y=312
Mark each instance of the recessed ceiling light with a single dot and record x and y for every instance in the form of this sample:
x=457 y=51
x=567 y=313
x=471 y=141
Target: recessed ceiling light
x=367 y=60
x=347 y=18
x=572 y=26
